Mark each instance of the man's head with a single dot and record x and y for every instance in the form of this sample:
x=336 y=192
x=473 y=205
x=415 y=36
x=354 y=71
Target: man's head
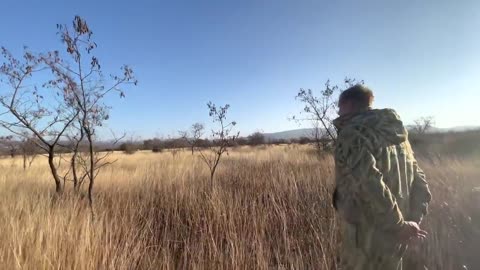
x=355 y=99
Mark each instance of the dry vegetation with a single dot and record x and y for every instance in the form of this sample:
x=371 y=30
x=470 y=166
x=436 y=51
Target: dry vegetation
x=270 y=210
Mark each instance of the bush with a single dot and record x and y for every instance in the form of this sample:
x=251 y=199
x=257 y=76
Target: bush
x=304 y=140
x=128 y=148
x=157 y=149
x=256 y=138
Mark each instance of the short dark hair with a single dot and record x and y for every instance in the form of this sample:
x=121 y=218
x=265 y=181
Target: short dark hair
x=359 y=94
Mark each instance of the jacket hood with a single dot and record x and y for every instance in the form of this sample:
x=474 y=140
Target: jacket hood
x=385 y=122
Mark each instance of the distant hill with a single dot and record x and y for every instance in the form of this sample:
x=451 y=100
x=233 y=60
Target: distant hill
x=308 y=132
x=451 y=129
x=289 y=134
x=465 y=128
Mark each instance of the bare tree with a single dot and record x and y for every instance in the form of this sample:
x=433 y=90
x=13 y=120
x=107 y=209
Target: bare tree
x=193 y=136
x=86 y=88
x=321 y=109
x=24 y=145
x=29 y=150
x=221 y=138
x=70 y=102
x=11 y=146
x=30 y=107
x=80 y=163
x=423 y=124
x=320 y=140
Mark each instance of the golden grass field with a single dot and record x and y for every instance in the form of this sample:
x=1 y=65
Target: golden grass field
x=270 y=210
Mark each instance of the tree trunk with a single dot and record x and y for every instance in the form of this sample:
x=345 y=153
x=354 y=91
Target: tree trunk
x=24 y=161
x=53 y=169
x=92 y=168
x=73 y=164
x=212 y=173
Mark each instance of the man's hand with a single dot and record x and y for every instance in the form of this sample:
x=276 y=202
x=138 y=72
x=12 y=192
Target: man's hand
x=416 y=216
x=411 y=230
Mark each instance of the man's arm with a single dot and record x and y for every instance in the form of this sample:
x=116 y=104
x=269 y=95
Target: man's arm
x=420 y=195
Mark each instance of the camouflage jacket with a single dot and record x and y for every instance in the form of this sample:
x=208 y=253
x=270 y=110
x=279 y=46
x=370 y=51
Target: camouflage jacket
x=378 y=180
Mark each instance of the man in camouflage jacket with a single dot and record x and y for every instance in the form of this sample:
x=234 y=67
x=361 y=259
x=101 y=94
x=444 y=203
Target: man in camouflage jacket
x=381 y=193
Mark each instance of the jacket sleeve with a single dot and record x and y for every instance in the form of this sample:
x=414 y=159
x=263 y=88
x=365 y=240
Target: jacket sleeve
x=358 y=169
x=420 y=195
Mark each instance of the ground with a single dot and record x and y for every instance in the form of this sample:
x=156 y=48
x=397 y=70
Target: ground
x=270 y=209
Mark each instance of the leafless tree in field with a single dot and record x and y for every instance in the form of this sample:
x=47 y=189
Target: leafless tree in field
x=193 y=136
x=80 y=161
x=321 y=109
x=86 y=91
x=24 y=146
x=29 y=150
x=423 y=124
x=8 y=143
x=32 y=107
x=69 y=102
x=320 y=140
x=222 y=138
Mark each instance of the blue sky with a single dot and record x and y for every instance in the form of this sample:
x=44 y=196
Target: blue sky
x=420 y=57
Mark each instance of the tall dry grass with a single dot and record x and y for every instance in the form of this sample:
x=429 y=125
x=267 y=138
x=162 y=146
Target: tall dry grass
x=270 y=210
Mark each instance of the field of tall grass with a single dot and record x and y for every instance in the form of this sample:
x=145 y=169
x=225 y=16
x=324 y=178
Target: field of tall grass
x=270 y=209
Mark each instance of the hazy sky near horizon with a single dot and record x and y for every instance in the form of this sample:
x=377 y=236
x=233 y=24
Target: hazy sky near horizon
x=420 y=57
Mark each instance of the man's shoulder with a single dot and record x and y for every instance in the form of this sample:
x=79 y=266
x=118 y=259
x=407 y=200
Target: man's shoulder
x=349 y=143
x=372 y=125
x=393 y=114
x=355 y=132
x=348 y=135
x=391 y=111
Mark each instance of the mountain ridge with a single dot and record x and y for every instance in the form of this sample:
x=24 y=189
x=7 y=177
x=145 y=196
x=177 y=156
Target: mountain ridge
x=308 y=132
